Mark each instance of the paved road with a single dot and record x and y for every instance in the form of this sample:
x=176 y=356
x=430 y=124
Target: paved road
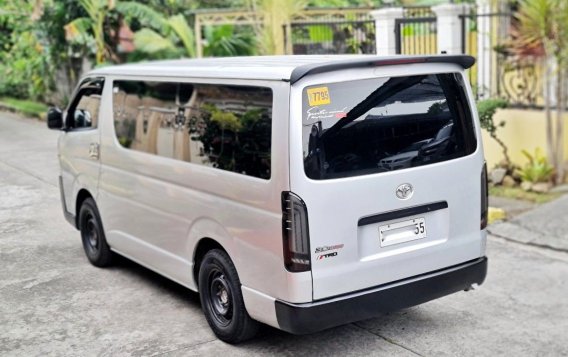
x=53 y=302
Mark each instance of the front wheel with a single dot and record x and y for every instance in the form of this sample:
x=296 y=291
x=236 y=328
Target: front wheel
x=93 y=236
x=222 y=300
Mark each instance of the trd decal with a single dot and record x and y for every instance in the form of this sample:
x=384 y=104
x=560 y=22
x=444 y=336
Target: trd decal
x=326 y=248
x=328 y=255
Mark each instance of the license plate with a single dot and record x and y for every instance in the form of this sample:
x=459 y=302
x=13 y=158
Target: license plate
x=401 y=232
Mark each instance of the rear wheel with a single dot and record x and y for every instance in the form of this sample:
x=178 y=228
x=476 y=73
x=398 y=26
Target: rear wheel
x=222 y=300
x=93 y=236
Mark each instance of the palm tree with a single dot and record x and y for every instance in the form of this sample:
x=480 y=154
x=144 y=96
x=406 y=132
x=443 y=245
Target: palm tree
x=166 y=35
x=225 y=41
x=160 y=33
x=544 y=25
x=275 y=14
x=91 y=28
x=86 y=29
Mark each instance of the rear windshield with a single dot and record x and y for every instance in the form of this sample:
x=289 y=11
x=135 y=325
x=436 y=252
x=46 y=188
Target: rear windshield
x=385 y=124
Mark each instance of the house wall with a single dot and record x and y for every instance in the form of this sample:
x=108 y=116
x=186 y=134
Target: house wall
x=524 y=129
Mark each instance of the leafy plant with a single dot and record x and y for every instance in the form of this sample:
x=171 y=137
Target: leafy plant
x=486 y=110
x=65 y=59
x=275 y=14
x=25 y=69
x=235 y=142
x=90 y=29
x=170 y=35
x=226 y=120
x=100 y=28
x=537 y=169
x=224 y=41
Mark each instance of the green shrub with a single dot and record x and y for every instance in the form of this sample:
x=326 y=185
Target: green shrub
x=537 y=169
x=26 y=107
x=486 y=109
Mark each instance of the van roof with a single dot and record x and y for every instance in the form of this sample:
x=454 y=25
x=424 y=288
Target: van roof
x=284 y=68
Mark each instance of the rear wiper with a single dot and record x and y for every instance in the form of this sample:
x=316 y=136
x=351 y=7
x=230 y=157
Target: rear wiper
x=391 y=87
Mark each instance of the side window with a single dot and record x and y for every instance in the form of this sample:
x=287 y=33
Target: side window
x=222 y=126
x=84 y=109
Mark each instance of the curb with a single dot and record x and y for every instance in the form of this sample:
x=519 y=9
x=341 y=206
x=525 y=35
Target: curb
x=7 y=108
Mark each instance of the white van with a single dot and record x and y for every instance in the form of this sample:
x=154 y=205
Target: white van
x=303 y=192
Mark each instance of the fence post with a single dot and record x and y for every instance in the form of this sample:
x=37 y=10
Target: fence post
x=198 y=39
x=484 y=50
x=449 y=27
x=385 y=38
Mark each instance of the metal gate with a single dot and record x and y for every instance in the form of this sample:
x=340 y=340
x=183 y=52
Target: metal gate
x=416 y=36
x=330 y=37
x=502 y=69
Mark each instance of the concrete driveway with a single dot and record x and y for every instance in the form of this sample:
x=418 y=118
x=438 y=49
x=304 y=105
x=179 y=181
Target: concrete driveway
x=53 y=302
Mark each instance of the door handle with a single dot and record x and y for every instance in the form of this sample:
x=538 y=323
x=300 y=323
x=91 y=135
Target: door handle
x=94 y=151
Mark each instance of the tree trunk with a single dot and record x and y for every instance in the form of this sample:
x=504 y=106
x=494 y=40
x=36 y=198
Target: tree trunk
x=547 y=100
x=504 y=149
x=559 y=139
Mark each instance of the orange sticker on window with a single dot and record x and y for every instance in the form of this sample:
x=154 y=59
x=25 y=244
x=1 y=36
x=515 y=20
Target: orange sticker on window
x=318 y=96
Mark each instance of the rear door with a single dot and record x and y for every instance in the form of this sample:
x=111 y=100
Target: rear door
x=389 y=167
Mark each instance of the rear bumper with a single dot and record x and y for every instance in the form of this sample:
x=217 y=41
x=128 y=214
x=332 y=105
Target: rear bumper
x=323 y=314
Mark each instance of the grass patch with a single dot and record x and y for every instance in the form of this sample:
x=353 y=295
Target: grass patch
x=520 y=194
x=26 y=107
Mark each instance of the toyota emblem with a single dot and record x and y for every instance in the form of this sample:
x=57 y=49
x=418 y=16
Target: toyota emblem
x=404 y=191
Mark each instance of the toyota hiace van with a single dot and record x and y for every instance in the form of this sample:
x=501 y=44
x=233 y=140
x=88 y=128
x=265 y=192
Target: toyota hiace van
x=302 y=192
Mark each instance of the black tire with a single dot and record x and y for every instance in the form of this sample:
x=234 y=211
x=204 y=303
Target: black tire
x=93 y=236
x=222 y=299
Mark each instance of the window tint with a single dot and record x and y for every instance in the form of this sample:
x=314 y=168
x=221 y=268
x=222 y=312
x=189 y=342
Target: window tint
x=221 y=126
x=385 y=124
x=84 y=110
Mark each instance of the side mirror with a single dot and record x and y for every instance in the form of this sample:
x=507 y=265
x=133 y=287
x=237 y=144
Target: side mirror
x=55 y=118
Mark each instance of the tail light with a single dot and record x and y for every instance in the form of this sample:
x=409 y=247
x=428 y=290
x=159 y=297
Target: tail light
x=295 y=234
x=484 y=197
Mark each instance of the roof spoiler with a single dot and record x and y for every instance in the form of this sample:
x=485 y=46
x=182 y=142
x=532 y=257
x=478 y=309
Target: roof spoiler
x=308 y=69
